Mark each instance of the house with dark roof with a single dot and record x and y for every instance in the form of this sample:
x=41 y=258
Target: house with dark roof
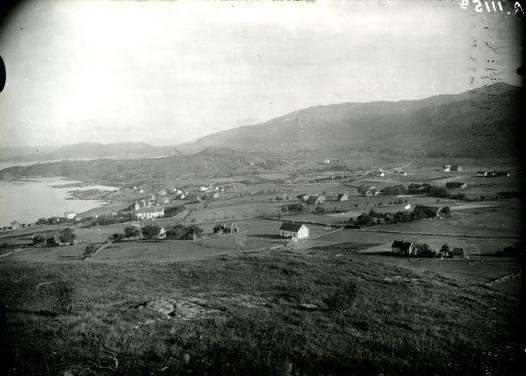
x=343 y=197
x=227 y=228
x=294 y=230
x=403 y=248
x=458 y=251
x=372 y=191
x=303 y=197
x=315 y=200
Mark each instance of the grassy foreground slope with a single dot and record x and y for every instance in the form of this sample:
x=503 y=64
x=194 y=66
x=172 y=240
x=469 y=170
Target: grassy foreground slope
x=243 y=315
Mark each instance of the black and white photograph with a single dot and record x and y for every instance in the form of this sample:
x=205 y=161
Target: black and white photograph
x=244 y=187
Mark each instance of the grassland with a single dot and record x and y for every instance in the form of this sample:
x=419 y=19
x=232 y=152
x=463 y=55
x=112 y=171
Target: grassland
x=242 y=314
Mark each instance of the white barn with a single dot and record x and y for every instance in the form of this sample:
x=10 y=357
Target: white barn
x=294 y=230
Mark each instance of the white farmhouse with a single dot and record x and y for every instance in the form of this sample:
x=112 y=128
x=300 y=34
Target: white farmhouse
x=294 y=230
x=70 y=214
x=149 y=212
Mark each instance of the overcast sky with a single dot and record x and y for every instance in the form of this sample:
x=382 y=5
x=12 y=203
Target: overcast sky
x=170 y=72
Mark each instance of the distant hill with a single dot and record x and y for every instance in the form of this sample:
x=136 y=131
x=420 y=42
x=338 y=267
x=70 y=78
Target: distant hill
x=209 y=162
x=93 y=150
x=471 y=124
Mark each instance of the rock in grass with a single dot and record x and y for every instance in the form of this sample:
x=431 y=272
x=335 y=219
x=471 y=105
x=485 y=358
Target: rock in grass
x=161 y=305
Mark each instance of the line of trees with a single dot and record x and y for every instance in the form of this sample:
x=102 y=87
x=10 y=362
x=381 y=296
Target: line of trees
x=433 y=191
x=65 y=236
x=155 y=232
x=373 y=217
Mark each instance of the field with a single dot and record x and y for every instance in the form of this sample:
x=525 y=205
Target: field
x=277 y=312
x=336 y=303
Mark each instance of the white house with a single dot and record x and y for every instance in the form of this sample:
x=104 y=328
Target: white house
x=294 y=230
x=70 y=214
x=149 y=212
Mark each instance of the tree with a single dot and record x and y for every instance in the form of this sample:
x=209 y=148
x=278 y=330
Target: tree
x=89 y=250
x=181 y=232
x=193 y=230
x=67 y=236
x=446 y=211
x=364 y=219
x=444 y=250
x=132 y=232
x=116 y=237
x=39 y=240
x=151 y=231
x=363 y=188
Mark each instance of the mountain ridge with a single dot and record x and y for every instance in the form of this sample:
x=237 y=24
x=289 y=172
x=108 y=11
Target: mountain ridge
x=486 y=118
x=97 y=150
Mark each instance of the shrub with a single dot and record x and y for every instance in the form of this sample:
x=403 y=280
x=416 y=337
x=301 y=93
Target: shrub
x=67 y=236
x=174 y=210
x=343 y=299
x=39 y=240
x=131 y=232
x=181 y=232
x=116 y=237
x=151 y=231
x=89 y=250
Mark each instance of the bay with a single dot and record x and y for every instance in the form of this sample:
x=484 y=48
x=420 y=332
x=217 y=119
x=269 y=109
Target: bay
x=26 y=200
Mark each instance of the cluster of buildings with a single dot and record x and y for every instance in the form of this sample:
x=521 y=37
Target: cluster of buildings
x=320 y=199
x=149 y=212
x=452 y=168
x=408 y=248
x=492 y=174
x=13 y=225
x=312 y=199
x=225 y=228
